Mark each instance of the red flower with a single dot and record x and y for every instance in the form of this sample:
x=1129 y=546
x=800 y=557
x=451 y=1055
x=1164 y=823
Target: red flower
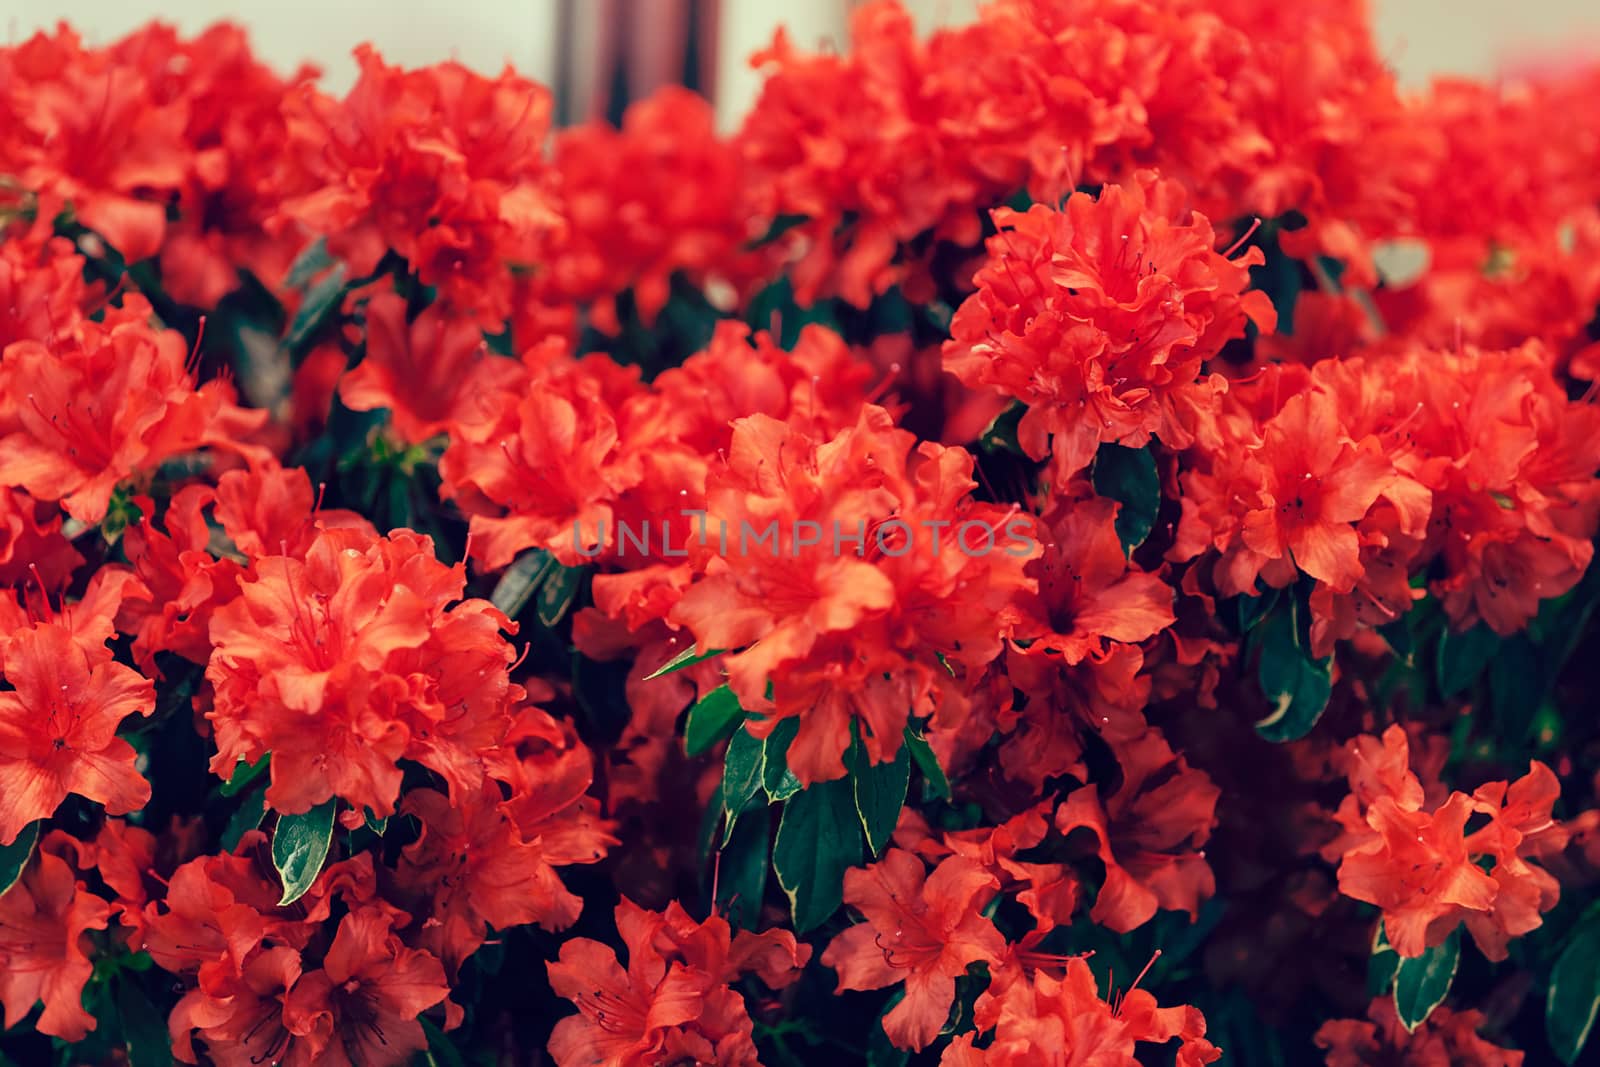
x=1063 y=1022
x=104 y=409
x=428 y=373
x=1099 y=316
x=923 y=930
x=1446 y=1037
x=43 y=950
x=58 y=729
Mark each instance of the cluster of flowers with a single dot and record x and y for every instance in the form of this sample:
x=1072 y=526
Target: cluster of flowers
x=341 y=721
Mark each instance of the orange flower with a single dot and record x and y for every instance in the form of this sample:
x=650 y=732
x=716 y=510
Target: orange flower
x=1149 y=834
x=43 y=950
x=1446 y=1037
x=1063 y=1022
x=673 y=1003
x=921 y=930
x=58 y=729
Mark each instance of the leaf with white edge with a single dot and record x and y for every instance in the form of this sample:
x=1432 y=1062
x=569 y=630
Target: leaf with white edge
x=714 y=717
x=742 y=770
x=928 y=763
x=557 y=592
x=1381 y=964
x=742 y=871
x=244 y=775
x=1129 y=476
x=1573 y=1001
x=778 y=780
x=1422 y=983
x=14 y=857
x=687 y=658
x=1296 y=685
x=517 y=585
x=300 y=847
x=880 y=792
x=819 y=838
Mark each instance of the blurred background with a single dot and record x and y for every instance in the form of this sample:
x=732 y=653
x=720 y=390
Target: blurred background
x=599 y=54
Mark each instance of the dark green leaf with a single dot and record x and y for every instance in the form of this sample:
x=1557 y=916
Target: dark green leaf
x=778 y=780
x=557 y=592
x=252 y=809
x=712 y=719
x=742 y=871
x=517 y=584
x=819 y=838
x=321 y=302
x=375 y=824
x=742 y=770
x=1463 y=657
x=1398 y=636
x=1421 y=984
x=1001 y=434
x=928 y=764
x=687 y=658
x=245 y=775
x=1296 y=685
x=300 y=847
x=312 y=261
x=879 y=791
x=1381 y=964
x=1574 y=996
x=144 y=1029
x=1516 y=689
x=441 y=1050
x=14 y=857
x=1252 y=609
x=1128 y=476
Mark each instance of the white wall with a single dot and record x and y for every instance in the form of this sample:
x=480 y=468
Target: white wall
x=1420 y=36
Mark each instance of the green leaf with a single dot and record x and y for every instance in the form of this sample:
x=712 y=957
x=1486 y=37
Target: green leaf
x=516 y=586
x=245 y=775
x=819 y=838
x=778 y=780
x=1421 y=984
x=1381 y=965
x=1252 y=609
x=1574 y=996
x=742 y=771
x=14 y=857
x=928 y=764
x=879 y=790
x=557 y=592
x=742 y=871
x=252 y=809
x=441 y=1050
x=312 y=261
x=713 y=718
x=300 y=847
x=1462 y=658
x=1128 y=476
x=1001 y=434
x=1516 y=689
x=1296 y=685
x=321 y=302
x=375 y=824
x=144 y=1029
x=687 y=658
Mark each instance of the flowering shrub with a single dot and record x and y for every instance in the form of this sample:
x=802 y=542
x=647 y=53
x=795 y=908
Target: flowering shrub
x=998 y=561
